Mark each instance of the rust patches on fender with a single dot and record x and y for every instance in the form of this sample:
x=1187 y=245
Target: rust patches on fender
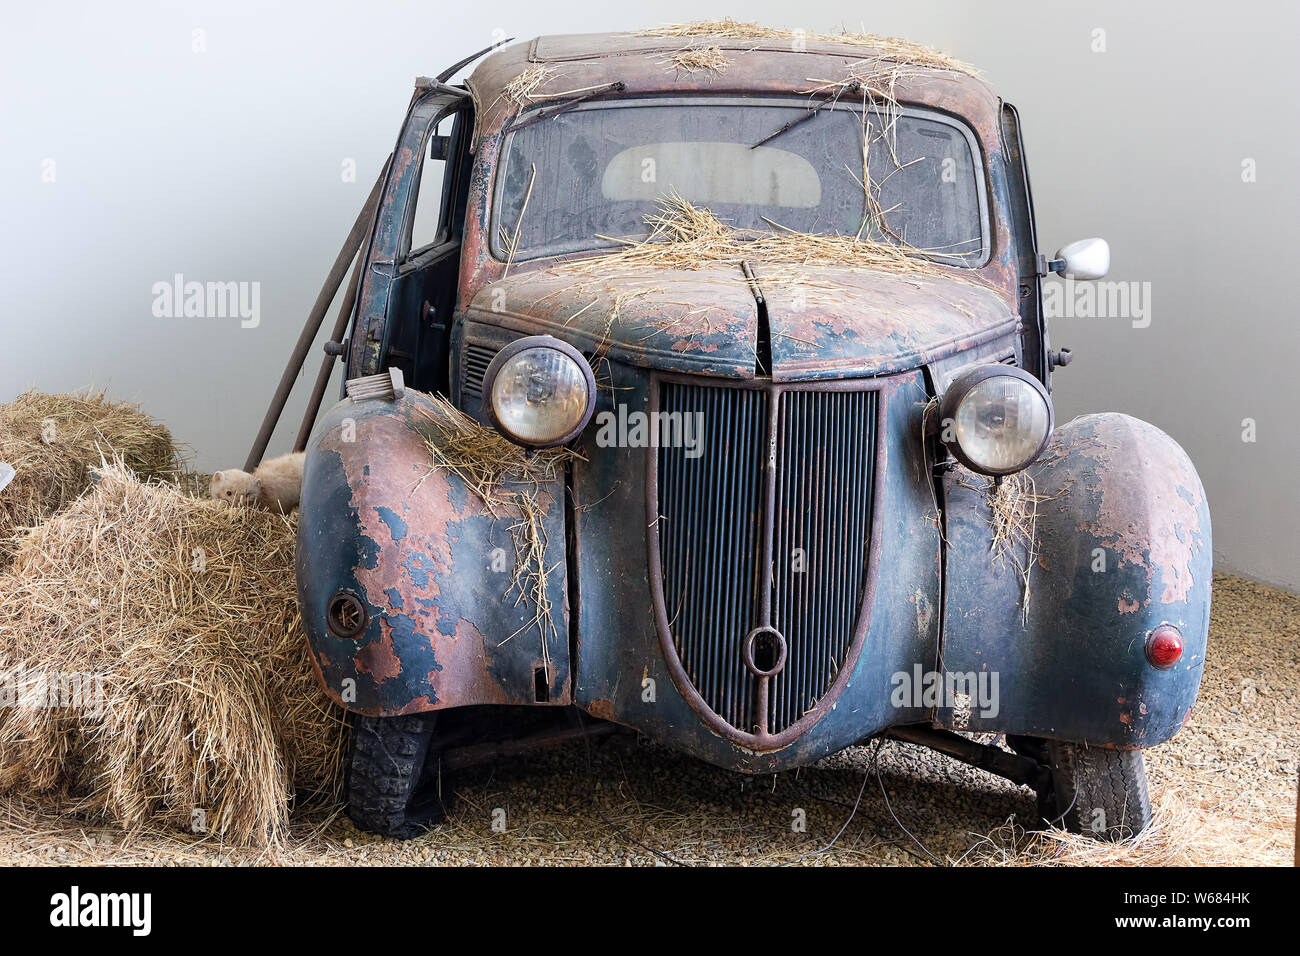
x=417 y=706
x=413 y=520
x=1148 y=502
x=463 y=662
x=378 y=659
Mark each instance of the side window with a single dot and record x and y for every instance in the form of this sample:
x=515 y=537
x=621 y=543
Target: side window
x=427 y=224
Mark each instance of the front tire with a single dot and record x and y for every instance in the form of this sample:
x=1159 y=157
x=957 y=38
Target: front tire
x=393 y=783
x=1098 y=791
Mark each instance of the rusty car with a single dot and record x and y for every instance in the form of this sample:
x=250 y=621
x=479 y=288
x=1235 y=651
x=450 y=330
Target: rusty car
x=809 y=503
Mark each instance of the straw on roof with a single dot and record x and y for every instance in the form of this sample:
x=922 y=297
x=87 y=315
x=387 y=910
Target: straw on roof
x=697 y=59
x=176 y=618
x=884 y=47
x=521 y=90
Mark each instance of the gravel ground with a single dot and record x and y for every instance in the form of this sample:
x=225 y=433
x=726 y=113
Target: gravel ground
x=1225 y=790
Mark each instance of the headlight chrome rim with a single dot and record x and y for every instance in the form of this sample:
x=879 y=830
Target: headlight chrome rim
x=522 y=345
x=961 y=387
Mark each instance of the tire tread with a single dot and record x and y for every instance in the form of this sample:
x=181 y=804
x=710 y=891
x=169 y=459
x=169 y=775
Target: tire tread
x=386 y=771
x=1087 y=779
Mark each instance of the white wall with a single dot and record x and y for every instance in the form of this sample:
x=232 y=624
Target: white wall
x=226 y=165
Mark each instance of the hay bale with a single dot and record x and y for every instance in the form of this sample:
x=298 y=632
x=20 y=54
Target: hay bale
x=177 y=619
x=53 y=440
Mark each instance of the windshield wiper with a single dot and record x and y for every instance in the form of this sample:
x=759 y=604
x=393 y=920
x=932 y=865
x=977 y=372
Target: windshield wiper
x=787 y=127
x=803 y=119
x=572 y=103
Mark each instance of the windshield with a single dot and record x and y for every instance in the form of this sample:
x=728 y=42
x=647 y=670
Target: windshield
x=579 y=180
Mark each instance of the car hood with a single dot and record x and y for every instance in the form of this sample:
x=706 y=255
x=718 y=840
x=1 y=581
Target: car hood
x=833 y=323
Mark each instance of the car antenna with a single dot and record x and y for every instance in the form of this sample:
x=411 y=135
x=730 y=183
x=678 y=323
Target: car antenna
x=448 y=73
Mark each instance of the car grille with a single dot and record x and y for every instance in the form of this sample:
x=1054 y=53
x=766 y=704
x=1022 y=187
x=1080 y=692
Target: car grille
x=715 y=540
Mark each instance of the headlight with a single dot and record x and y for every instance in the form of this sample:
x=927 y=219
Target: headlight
x=540 y=391
x=996 y=419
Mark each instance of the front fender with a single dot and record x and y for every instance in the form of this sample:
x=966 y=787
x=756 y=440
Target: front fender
x=433 y=569
x=1123 y=545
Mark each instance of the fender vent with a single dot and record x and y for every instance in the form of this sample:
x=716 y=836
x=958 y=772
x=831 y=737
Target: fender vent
x=474 y=363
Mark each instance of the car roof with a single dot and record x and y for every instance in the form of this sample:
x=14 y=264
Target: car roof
x=564 y=47
x=563 y=64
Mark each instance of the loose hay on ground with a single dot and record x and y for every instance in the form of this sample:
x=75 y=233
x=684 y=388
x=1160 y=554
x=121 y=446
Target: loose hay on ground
x=181 y=615
x=52 y=441
x=1181 y=833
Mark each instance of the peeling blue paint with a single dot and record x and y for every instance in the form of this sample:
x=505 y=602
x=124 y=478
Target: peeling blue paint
x=395 y=523
x=418 y=566
x=432 y=598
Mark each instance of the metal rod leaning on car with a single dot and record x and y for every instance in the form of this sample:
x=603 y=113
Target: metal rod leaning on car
x=327 y=365
x=313 y=323
x=335 y=339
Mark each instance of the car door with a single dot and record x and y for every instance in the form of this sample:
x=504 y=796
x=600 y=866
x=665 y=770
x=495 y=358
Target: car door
x=1024 y=231
x=408 y=290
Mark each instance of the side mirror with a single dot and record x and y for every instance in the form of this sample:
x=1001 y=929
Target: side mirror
x=1084 y=259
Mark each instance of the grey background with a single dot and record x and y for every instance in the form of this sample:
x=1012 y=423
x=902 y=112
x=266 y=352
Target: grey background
x=226 y=165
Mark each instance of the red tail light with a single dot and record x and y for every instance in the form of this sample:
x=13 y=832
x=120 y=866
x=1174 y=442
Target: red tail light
x=1164 y=646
